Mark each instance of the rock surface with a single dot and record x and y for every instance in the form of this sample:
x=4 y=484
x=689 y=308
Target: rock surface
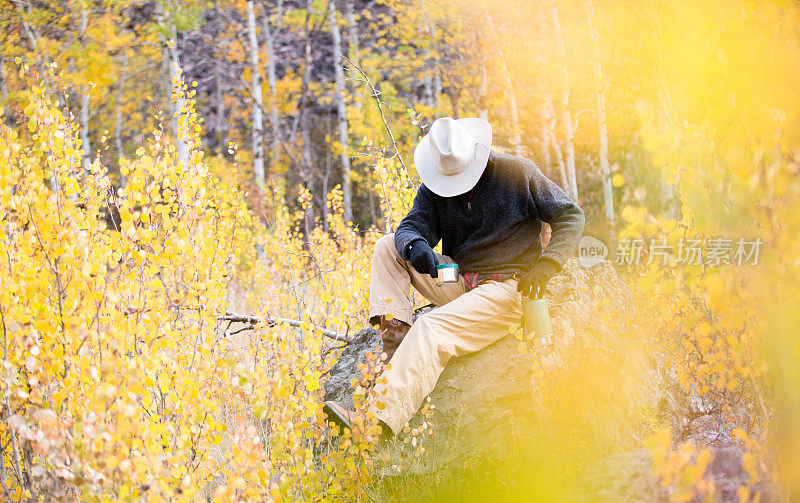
x=479 y=382
x=625 y=477
x=338 y=385
x=480 y=402
x=478 y=395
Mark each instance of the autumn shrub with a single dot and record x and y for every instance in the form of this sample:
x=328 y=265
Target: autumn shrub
x=725 y=322
x=120 y=380
x=124 y=376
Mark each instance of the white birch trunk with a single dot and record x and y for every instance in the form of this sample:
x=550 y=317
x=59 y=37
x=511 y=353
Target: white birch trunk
x=118 y=118
x=559 y=161
x=427 y=83
x=550 y=128
x=566 y=119
x=83 y=116
x=483 y=94
x=219 y=120
x=432 y=81
x=352 y=31
x=177 y=108
x=354 y=43
x=602 y=129
x=3 y=84
x=437 y=81
x=306 y=126
x=541 y=69
x=547 y=118
x=272 y=82
x=255 y=90
x=177 y=105
x=308 y=176
x=511 y=95
x=86 y=145
x=341 y=108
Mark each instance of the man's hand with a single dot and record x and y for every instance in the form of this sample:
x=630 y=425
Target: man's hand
x=533 y=282
x=423 y=258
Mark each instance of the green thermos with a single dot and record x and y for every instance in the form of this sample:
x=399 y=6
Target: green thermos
x=536 y=320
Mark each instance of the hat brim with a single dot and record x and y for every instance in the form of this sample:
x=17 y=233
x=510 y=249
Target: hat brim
x=454 y=185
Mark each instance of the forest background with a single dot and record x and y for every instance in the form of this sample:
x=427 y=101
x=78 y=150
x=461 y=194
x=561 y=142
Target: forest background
x=268 y=144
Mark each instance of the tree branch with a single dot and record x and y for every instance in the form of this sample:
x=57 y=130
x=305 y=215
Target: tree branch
x=272 y=321
x=376 y=94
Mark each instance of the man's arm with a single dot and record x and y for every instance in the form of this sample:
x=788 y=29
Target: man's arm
x=547 y=202
x=552 y=205
x=421 y=224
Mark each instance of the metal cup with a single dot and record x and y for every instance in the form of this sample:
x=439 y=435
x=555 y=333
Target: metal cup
x=536 y=320
x=446 y=274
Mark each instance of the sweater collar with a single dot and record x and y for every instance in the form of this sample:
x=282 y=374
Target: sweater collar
x=487 y=173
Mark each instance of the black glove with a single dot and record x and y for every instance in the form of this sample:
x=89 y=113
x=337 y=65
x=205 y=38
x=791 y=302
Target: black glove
x=423 y=258
x=533 y=282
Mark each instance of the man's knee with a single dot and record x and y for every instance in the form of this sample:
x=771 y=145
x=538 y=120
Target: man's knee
x=431 y=328
x=432 y=334
x=436 y=319
x=429 y=336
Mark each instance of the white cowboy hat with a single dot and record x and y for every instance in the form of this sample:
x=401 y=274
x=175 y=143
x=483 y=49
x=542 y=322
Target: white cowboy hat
x=451 y=158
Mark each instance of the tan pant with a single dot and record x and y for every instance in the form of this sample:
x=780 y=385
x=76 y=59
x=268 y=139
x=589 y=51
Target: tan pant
x=465 y=323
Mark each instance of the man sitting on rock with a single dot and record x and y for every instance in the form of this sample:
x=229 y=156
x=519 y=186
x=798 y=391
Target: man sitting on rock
x=487 y=209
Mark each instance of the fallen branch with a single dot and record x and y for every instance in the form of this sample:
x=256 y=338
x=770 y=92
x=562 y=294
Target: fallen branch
x=271 y=322
x=239 y=318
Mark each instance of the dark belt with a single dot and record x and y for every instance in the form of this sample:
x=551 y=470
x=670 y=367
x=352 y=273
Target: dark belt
x=475 y=279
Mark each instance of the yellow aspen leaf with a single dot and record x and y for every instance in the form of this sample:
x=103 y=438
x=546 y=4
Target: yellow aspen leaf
x=750 y=465
x=743 y=493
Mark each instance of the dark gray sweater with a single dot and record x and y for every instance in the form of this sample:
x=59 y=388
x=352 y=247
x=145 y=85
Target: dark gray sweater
x=495 y=228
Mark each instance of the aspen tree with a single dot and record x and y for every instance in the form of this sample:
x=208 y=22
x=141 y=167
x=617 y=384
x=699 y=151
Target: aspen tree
x=270 y=32
x=483 y=111
x=255 y=90
x=566 y=119
x=305 y=125
x=3 y=82
x=516 y=139
x=354 y=44
x=219 y=104
x=173 y=69
x=118 y=115
x=341 y=110
x=602 y=128
x=83 y=116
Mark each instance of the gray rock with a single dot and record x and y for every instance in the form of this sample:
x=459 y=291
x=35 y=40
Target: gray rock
x=480 y=395
x=487 y=384
x=483 y=401
x=626 y=477
x=338 y=385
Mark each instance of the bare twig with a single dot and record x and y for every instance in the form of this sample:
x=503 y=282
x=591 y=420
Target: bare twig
x=376 y=94
x=272 y=321
x=239 y=318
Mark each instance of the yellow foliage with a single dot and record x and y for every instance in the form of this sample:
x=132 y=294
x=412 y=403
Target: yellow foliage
x=728 y=330
x=120 y=380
